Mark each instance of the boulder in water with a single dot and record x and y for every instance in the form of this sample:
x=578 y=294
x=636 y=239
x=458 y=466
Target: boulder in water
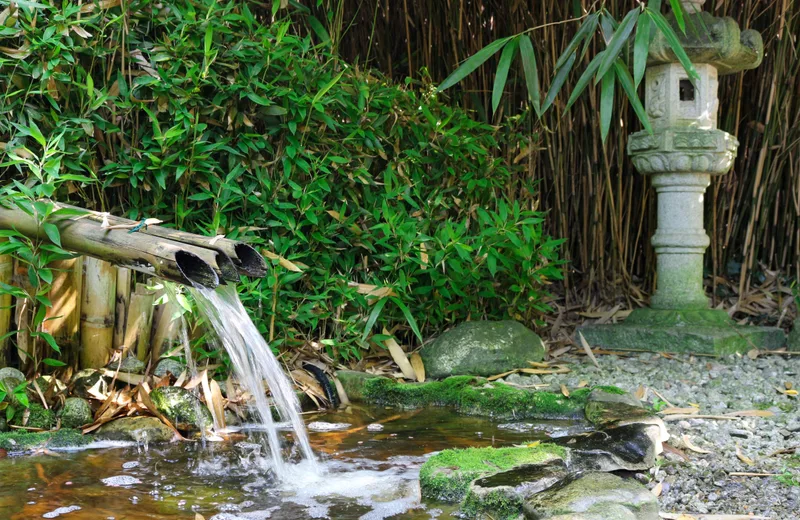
x=594 y=496
x=482 y=348
x=76 y=412
x=138 y=429
x=181 y=407
x=168 y=365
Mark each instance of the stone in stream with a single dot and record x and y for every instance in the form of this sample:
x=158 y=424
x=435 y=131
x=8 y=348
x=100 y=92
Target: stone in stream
x=320 y=426
x=76 y=412
x=482 y=348
x=181 y=407
x=603 y=408
x=632 y=447
x=138 y=429
x=128 y=365
x=593 y=496
x=168 y=365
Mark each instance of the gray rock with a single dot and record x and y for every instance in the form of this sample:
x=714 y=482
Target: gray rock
x=181 y=407
x=168 y=365
x=86 y=379
x=139 y=429
x=129 y=365
x=794 y=337
x=482 y=348
x=632 y=447
x=595 y=494
x=604 y=511
x=76 y=412
x=7 y=372
x=354 y=382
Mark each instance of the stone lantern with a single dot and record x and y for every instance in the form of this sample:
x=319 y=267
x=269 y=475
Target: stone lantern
x=681 y=155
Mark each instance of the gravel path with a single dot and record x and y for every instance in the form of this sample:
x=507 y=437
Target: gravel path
x=703 y=484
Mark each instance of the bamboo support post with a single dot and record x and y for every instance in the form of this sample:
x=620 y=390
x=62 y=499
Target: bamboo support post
x=164 y=258
x=63 y=319
x=24 y=317
x=165 y=328
x=140 y=320
x=6 y=270
x=97 y=313
x=123 y=301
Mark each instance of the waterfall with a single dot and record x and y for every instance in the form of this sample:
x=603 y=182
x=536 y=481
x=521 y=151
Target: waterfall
x=253 y=364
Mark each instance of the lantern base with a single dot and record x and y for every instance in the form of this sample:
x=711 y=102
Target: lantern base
x=707 y=331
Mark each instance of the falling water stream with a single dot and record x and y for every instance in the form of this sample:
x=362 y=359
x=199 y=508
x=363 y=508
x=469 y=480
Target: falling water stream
x=253 y=364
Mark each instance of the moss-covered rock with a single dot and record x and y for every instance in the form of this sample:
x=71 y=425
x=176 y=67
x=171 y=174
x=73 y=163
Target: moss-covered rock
x=20 y=440
x=85 y=379
x=11 y=372
x=168 y=365
x=129 y=365
x=482 y=348
x=592 y=494
x=604 y=407
x=181 y=407
x=476 y=396
x=36 y=416
x=447 y=475
x=76 y=412
x=354 y=383
x=138 y=429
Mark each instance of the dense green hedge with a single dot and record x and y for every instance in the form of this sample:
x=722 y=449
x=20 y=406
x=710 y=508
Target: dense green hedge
x=203 y=115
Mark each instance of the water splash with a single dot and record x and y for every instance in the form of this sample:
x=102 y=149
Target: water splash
x=253 y=363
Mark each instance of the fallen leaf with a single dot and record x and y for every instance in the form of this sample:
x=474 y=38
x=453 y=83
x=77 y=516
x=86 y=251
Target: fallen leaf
x=691 y=446
x=399 y=357
x=752 y=413
x=656 y=491
x=682 y=411
x=583 y=384
x=501 y=376
x=744 y=458
x=418 y=366
x=588 y=349
x=753 y=354
x=564 y=391
x=286 y=264
x=640 y=393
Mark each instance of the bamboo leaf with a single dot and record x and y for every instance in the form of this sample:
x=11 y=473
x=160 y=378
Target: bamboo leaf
x=531 y=71
x=409 y=318
x=607 y=102
x=373 y=317
x=52 y=233
x=674 y=43
x=501 y=77
x=619 y=39
x=585 y=78
x=472 y=63
x=625 y=79
x=53 y=362
x=586 y=30
x=641 y=47
x=677 y=8
x=654 y=5
x=50 y=341
x=558 y=82
x=319 y=30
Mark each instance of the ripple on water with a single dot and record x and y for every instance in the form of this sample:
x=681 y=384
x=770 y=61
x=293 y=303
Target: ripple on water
x=61 y=511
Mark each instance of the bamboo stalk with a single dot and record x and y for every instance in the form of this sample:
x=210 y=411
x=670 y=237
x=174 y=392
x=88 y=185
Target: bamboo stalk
x=140 y=319
x=63 y=319
x=165 y=329
x=25 y=344
x=164 y=258
x=234 y=256
x=6 y=270
x=97 y=313
x=123 y=300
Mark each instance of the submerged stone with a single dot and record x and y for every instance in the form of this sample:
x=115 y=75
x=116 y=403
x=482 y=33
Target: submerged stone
x=604 y=408
x=320 y=426
x=500 y=496
x=75 y=412
x=595 y=495
x=181 y=407
x=21 y=440
x=482 y=348
x=168 y=365
x=138 y=429
x=447 y=475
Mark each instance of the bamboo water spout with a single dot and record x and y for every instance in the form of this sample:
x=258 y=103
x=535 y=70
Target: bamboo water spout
x=160 y=253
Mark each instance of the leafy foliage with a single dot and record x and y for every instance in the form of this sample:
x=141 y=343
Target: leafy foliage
x=378 y=206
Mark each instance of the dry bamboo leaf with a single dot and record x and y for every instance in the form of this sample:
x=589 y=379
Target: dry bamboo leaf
x=564 y=390
x=423 y=256
x=196 y=380
x=373 y=290
x=752 y=413
x=534 y=364
x=656 y=491
x=345 y=400
x=501 y=376
x=583 y=384
x=753 y=353
x=133 y=379
x=682 y=411
x=691 y=446
x=309 y=382
x=286 y=264
x=641 y=393
x=744 y=458
x=213 y=398
x=399 y=357
x=198 y=516
x=588 y=349
x=560 y=352
x=418 y=366
x=560 y=370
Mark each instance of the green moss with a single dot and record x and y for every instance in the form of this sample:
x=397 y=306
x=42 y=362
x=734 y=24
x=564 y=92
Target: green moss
x=476 y=396
x=38 y=417
x=446 y=476
x=21 y=440
x=496 y=504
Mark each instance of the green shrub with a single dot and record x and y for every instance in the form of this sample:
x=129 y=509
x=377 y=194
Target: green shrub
x=379 y=205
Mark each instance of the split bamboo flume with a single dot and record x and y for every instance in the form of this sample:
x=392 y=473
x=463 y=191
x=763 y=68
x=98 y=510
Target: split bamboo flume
x=172 y=255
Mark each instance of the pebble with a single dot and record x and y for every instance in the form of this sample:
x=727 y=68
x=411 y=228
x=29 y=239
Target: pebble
x=319 y=426
x=375 y=427
x=121 y=480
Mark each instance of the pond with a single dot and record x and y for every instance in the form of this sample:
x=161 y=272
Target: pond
x=367 y=472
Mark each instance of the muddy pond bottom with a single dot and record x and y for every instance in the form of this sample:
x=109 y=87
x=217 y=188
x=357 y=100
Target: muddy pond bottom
x=365 y=472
